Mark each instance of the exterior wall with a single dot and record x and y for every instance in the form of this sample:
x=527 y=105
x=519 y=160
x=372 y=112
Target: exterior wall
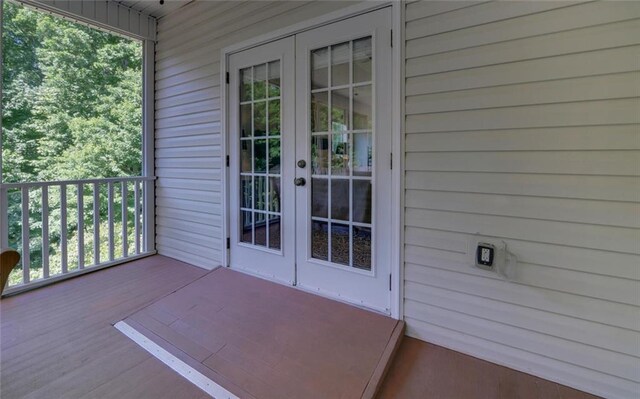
x=188 y=151
x=522 y=124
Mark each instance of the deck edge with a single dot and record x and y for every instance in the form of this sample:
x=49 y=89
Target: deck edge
x=375 y=382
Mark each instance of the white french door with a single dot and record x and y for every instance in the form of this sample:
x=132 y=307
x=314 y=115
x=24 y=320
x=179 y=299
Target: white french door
x=310 y=148
x=261 y=155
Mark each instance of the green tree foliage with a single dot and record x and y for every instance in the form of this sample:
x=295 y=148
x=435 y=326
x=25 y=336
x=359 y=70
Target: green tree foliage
x=71 y=109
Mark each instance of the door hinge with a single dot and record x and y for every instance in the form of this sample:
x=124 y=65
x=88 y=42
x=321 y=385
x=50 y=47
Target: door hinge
x=391 y=38
x=227 y=160
x=228 y=242
x=227 y=77
x=391 y=160
x=389 y=282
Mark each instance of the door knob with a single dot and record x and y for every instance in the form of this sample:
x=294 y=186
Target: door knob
x=302 y=163
x=300 y=181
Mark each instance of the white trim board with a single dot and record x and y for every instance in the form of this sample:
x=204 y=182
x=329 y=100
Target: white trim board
x=194 y=376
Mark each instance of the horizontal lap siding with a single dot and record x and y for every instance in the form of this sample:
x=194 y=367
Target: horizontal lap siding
x=188 y=136
x=523 y=124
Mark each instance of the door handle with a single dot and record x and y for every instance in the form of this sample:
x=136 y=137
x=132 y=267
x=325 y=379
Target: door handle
x=300 y=181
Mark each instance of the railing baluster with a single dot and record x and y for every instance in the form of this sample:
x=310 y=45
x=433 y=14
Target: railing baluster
x=45 y=231
x=136 y=192
x=124 y=220
x=26 y=255
x=96 y=223
x=110 y=217
x=80 y=226
x=63 y=228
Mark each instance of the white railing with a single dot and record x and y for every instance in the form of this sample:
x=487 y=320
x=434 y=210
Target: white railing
x=63 y=228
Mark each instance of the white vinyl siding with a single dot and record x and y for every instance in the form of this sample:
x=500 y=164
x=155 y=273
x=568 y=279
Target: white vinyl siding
x=188 y=141
x=523 y=125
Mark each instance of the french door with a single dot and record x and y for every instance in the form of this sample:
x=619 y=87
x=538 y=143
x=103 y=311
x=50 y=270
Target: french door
x=310 y=147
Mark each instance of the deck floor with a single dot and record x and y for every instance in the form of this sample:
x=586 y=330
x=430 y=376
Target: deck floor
x=424 y=370
x=58 y=341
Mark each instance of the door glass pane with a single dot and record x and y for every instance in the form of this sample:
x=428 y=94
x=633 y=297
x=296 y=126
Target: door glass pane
x=340 y=243
x=245 y=120
x=260 y=192
x=340 y=56
x=246 y=227
x=260 y=118
x=320 y=154
x=245 y=84
x=362 y=201
x=362 y=107
x=260 y=152
x=274 y=156
x=274 y=117
x=274 y=231
x=340 y=199
x=362 y=153
x=320 y=194
x=340 y=110
x=274 y=194
x=320 y=112
x=246 y=155
x=362 y=247
x=260 y=234
x=246 y=192
x=362 y=60
x=274 y=79
x=342 y=152
x=259 y=81
x=319 y=68
x=320 y=240
x=260 y=156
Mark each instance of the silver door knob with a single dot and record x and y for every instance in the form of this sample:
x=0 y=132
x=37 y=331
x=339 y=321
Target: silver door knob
x=300 y=181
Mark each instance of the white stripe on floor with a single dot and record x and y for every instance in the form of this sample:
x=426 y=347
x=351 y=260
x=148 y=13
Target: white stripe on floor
x=177 y=365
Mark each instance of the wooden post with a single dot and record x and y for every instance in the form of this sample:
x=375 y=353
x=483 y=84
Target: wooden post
x=9 y=258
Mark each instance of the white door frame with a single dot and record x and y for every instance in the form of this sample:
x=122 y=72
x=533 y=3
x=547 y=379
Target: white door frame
x=397 y=206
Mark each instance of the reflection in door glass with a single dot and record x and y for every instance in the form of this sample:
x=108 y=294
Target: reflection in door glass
x=274 y=231
x=361 y=247
x=362 y=108
x=342 y=153
x=274 y=79
x=320 y=240
x=320 y=154
x=340 y=55
x=320 y=68
x=340 y=110
x=362 y=60
x=319 y=112
x=340 y=243
x=362 y=152
x=260 y=170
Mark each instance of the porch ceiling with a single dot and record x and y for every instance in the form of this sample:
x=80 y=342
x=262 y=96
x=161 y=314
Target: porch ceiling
x=153 y=7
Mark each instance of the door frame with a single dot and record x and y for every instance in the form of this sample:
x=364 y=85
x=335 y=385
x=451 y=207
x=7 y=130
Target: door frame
x=398 y=149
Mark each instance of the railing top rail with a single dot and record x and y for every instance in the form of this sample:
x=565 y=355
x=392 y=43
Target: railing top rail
x=82 y=181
